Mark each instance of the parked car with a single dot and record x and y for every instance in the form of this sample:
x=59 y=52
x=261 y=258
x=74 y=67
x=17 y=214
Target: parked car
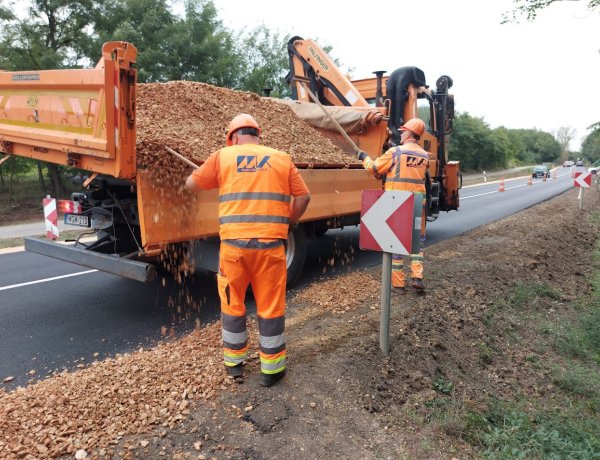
x=540 y=171
x=593 y=170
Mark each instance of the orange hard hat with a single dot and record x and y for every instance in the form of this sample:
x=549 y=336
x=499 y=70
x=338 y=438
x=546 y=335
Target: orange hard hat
x=243 y=120
x=414 y=125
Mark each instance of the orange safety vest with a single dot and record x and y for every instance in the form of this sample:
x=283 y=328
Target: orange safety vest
x=254 y=192
x=408 y=168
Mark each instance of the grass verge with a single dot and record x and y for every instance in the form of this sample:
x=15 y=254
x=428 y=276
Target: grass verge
x=563 y=420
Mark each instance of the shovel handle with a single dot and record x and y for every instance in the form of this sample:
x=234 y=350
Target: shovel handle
x=182 y=158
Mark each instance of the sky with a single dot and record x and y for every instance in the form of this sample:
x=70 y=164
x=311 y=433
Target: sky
x=543 y=74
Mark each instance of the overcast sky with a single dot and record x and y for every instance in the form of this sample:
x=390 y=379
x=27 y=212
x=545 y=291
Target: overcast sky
x=542 y=74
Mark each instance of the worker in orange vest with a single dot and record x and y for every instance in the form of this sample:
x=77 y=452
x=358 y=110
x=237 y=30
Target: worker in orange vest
x=256 y=185
x=405 y=167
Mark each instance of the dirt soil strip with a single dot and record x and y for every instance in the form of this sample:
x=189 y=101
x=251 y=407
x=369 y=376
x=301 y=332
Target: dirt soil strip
x=341 y=398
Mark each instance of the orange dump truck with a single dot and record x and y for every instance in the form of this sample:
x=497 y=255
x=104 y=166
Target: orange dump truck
x=86 y=118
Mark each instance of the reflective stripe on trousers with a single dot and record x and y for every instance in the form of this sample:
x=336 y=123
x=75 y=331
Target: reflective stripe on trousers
x=416 y=268
x=265 y=270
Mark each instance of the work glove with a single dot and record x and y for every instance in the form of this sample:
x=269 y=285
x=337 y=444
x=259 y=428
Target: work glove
x=361 y=155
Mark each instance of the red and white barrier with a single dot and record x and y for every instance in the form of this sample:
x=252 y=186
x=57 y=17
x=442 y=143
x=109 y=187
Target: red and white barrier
x=51 y=218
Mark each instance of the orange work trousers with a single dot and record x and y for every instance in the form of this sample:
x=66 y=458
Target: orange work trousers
x=416 y=260
x=262 y=265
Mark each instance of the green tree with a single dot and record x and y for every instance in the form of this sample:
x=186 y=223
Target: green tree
x=590 y=147
x=564 y=135
x=195 y=46
x=13 y=169
x=475 y=145
x=265 y=62
x=530 y=8
x=52 y=36
x=6 y=13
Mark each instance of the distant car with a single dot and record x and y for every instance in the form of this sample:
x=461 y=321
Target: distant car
x=594 y=170
x=540 y=171
x=568 y=164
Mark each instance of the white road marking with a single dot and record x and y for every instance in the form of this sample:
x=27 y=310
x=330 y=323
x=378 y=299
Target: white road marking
x=493 y=191
x=505 y=188
x=46 y=280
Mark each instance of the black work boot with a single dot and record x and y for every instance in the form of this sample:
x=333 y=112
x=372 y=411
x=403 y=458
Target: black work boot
x=235 y=371
x=399 y=290
x=417 y=283
x=266 y=380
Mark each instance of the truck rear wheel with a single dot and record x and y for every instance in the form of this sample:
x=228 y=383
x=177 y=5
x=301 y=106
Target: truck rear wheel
x=295 y=254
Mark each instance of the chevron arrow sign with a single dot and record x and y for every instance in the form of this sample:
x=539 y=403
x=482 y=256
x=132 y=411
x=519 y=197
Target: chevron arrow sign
x=387 y=220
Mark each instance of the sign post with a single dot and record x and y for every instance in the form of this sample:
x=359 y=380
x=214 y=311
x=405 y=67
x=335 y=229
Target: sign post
x=582 y=180
x=388 y=224
x=384 y=316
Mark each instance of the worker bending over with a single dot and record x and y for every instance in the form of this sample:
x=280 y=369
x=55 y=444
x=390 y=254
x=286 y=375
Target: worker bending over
x=404 y=168
x=256 y=184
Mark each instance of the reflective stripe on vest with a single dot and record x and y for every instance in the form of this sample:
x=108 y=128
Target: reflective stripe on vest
x=253 y=243
x=254 y=192
x=254 y=196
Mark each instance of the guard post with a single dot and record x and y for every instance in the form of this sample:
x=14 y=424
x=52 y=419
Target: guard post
x=582 y=180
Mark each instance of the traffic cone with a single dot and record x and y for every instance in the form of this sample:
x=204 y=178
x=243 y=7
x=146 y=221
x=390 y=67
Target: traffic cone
x=501 y=189
x=530 y=181
x=544 y=179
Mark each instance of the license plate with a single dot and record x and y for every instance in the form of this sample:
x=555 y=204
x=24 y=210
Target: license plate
x=77 y=219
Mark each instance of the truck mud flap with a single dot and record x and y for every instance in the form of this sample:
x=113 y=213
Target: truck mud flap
x=139 y=271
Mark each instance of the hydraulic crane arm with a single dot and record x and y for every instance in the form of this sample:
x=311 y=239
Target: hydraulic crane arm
x=332 y=87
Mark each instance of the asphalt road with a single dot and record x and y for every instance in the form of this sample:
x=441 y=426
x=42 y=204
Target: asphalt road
x=55 y=315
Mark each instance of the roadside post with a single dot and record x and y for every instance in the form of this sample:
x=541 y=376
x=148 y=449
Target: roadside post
x=390 y=223
x=50 y=217
x=582 y=180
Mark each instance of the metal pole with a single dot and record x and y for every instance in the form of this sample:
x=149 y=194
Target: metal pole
x=580 y=197
x=386 y=288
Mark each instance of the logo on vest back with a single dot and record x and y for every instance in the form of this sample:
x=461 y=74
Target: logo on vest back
x=414 y=162
x=252 y=163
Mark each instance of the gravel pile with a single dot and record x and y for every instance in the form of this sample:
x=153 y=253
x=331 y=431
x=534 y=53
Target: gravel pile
x=93 y=408
x=192 y=119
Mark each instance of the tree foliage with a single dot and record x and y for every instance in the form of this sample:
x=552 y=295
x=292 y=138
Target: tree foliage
x=590 y=147
x=265 y=62
x=530 y=8
x=564 y=135
x=194 y=46
x=478 y=147
x=52 y=36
